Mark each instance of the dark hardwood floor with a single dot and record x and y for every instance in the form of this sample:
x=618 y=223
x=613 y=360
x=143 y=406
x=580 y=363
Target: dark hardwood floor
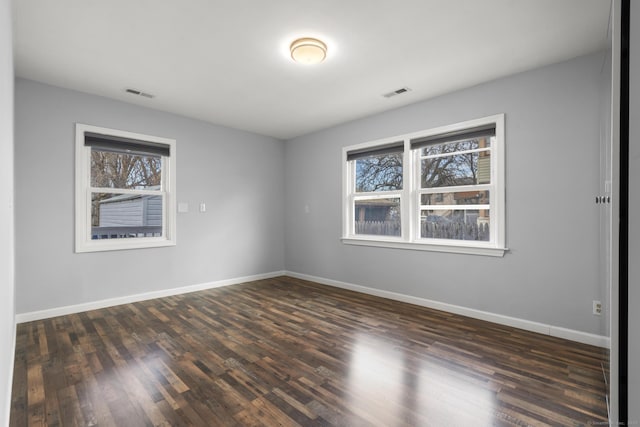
x=285 y=352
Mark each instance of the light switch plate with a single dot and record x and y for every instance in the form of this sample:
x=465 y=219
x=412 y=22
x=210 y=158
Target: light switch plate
x=183 y=207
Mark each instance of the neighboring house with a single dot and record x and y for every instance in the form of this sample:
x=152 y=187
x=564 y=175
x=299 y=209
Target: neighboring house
x=377 y=217
x=129 y=215
x=376 y=210
x=131 y=210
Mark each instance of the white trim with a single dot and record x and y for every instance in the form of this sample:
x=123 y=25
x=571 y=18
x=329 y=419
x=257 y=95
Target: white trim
x=614 y=244
x=101 y=245
x=9 y=385
x=77 y=308
x=584 y=337
x=528 y=325
x=453 y=207
x=431 y=246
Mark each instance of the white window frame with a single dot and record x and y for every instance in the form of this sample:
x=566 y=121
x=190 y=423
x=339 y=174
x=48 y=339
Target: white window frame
x=83 y=190
x=410 y=196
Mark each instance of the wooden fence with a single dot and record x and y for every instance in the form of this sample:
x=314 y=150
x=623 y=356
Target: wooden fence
x=428 y=229
x=455 y=230
x=378 y=228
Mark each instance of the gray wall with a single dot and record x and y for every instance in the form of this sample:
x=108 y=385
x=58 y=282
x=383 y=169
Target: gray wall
x=238 y=174
x=7 y=324
x=634 y=215
x=552 y=139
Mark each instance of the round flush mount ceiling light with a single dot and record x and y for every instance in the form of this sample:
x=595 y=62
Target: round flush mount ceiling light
x=308 y=50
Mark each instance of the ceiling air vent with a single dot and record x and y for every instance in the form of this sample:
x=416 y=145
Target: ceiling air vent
x=396 y=92
x=139 y=93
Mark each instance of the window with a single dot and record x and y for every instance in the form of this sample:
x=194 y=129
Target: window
x=378 y=189
x=440 y=189
x=125 y=185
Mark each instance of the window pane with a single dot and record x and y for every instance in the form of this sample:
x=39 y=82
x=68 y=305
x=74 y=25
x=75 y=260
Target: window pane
x=118 y=216
x=379 y=173
x=458 y=169
x=119 y=170
x=379 y=217
x=462 y=224
x=444 y=167
x=456 y=198
x=452 y=147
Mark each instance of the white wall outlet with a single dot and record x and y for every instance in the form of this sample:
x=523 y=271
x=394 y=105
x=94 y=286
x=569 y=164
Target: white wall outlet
x=597 y=308
x=203 y=207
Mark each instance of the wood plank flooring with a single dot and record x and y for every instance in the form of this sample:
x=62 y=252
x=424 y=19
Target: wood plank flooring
x=285 y=352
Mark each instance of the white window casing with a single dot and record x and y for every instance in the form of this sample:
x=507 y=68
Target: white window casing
x=163 y=194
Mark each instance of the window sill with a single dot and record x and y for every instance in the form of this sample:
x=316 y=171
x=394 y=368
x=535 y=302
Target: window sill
x=439 y=247
x=102 y=245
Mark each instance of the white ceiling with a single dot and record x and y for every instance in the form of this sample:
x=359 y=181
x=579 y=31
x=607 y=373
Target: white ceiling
x=226 y=61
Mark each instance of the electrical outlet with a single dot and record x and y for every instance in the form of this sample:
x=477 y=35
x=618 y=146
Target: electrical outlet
x=597 y=308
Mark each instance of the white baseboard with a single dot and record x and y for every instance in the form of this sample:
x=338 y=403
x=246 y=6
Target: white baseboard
x=528 y=325
x=93 y=305
x=9 y=386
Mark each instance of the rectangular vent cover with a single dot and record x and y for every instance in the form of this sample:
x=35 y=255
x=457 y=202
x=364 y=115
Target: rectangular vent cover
x=396 y=92
x=139 y=93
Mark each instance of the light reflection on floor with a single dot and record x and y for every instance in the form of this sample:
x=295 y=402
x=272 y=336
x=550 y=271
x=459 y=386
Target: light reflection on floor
x=387 y=387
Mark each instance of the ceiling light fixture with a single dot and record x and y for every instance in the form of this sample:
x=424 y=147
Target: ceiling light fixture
x=308 y=50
